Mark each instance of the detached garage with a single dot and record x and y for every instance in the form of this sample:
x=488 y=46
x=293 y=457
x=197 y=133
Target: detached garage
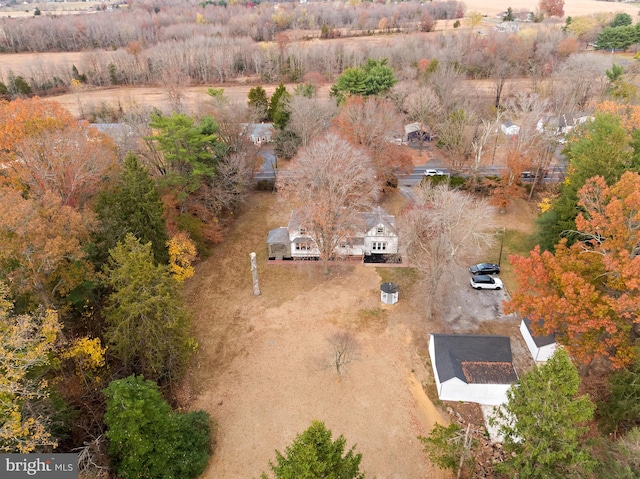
x=472 y=368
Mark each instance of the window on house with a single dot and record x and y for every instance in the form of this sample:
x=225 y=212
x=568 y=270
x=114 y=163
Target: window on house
x=303 y=231
x=380 y=230
x=379 y=246
x=303 y=246
x=343 y=245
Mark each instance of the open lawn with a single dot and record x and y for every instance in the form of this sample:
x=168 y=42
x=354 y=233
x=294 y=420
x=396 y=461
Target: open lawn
x=263 y=364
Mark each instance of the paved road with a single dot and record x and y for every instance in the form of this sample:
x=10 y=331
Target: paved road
x=554 y=174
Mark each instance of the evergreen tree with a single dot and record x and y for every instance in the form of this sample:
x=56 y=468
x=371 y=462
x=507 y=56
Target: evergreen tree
x=134 y=206
x=147 y=440
x=191 y=151
x=313 y=455
x=543 y=422
x=279 y=107
x=259 y=102
x=601 y=147
x=622 y=406
x=147 y=324
x=373 y=78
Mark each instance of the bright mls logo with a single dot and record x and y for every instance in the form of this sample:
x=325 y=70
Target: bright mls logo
x=49 y=466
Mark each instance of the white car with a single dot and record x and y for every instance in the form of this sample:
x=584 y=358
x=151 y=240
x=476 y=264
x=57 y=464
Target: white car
x=483 y=281
x=433 y=172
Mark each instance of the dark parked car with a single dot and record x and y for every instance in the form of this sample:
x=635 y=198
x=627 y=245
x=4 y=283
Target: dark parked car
x=484 y=268
x=483 y=281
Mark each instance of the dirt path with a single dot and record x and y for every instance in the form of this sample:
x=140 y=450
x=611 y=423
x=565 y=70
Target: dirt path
x=262 y=367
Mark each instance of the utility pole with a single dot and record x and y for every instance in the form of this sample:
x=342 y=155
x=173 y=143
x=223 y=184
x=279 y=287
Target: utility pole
x=254 y=274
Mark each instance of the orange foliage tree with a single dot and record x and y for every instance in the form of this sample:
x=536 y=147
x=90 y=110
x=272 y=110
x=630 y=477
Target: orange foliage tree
x=589 y=293
x=629 y=114
x=41 y=240
x=370 y=123
x=44 y=148
x=20 y=119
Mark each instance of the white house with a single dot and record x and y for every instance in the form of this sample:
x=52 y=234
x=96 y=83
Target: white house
x=375 y=237
x=509 y=128
x=541 y=347
x=258 y=133
x=472 y=368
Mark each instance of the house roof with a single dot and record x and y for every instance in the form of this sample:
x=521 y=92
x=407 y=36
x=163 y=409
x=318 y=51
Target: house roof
x=278 y=235
x=371 y=219
x=258 y=129
x=474 y=359
x=540 y=341
x=379 y=217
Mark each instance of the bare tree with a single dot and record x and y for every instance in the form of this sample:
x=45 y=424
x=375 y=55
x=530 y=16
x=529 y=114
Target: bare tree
x=441 y=228
x=372 y=123
x=344 y=349
x=310 y=116
x=330 y=182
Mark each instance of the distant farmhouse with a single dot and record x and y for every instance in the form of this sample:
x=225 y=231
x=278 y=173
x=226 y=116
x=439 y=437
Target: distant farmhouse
x=472 y=368
x=376 y=241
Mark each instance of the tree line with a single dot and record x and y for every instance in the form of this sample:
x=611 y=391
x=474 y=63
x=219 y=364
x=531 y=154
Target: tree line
x=150 y=24
x=96 y=245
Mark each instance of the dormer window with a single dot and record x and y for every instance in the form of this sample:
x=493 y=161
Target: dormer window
x=380 y=230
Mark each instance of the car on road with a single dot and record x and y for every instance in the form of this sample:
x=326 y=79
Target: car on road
x=483 y=281
x=484 y=268
x=433 y=172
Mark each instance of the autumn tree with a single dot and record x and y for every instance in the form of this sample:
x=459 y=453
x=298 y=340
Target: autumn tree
x=368 y=123
x=27 y=342
x=73 y=163
x=600 y=147
x=42 y=252
x=440 y=229
x=315 y=454
x=330 y=183
x=544 y=422
x=588 y=293
x=133 y=206
x=147 y=324
x=21 y=119
x=551 y=8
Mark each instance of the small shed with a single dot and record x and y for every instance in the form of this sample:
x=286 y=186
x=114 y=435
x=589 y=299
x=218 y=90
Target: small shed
x=541 y=347
x=472 y=368
x=279 y=243
x=389 y=293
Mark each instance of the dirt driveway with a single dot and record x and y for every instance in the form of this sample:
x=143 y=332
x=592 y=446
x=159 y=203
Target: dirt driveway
x=262 y=372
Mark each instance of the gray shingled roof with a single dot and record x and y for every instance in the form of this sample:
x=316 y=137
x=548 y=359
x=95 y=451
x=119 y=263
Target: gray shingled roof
x=278 y=235
x=539 y=340
x=474 y=359
x=379 y=216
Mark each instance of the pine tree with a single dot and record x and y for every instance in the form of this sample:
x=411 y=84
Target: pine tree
x=147 y=323
x=543 y=422
x=313 y=455
x=134 y=206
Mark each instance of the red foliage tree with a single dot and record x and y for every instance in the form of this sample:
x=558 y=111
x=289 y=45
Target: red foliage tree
x=552 y=8
x=589 y=293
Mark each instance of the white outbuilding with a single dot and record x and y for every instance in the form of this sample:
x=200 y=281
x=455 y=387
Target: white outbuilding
x=541 y=347
x=472 y=368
